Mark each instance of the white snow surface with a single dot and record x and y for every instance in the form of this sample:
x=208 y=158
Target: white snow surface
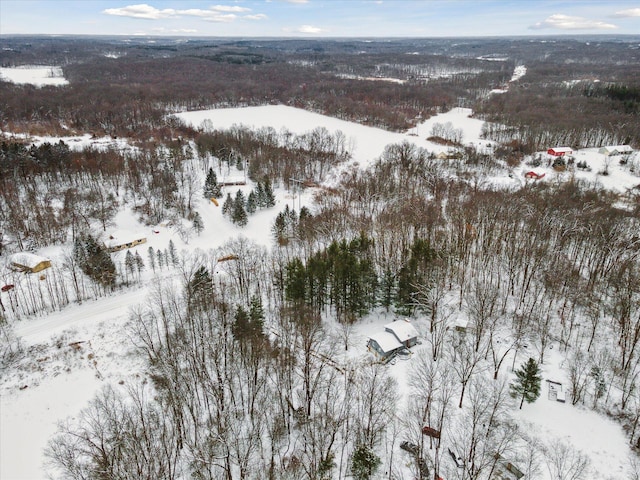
x=402 y=329
x=35 y=75
x=27 y=259
x=61 y=379
x=519 y=72
x=387 y=341
x=367 y=143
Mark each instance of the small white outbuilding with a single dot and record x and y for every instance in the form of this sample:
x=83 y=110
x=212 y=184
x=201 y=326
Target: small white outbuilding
x=614 y=150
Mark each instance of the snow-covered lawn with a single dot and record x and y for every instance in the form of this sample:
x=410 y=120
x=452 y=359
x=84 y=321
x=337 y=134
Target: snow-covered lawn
x=60 y=384
x=37 y=75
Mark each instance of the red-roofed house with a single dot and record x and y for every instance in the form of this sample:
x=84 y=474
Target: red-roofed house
x=560 y=151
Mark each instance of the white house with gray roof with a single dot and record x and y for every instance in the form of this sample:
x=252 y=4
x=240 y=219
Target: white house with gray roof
x=396 y=336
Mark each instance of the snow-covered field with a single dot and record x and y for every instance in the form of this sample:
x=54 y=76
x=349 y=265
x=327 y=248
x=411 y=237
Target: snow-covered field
x=35 y=75
x=76 y=351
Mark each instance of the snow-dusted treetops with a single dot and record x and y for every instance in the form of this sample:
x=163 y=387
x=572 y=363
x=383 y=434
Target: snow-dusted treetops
x=432 y=276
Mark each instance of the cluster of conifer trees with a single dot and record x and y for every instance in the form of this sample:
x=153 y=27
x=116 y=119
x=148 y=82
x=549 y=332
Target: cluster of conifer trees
x=239 y=208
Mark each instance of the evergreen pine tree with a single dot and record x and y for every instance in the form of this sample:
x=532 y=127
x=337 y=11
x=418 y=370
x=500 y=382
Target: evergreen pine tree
x=527 y=382
x=129 y=262
x=414 y=272
x=200 y=290
x=269 y=198
x=364 y=462
x=239 y=214
x=260 y=199
x=304 y=227
x=212 y=188
x=96 y=262
x=160 y=258
x=295 y=281
x=152 y=258
x=173 y=253
x=79 y=252
x=252 y=202
x=139 y=263
x=227 y=206
x=197 y=223
x=256 y=315
x=280 y=229
x=241 y=328
x=292 y=219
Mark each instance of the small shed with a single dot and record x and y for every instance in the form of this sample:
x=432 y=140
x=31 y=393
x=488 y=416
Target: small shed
x=560 y=151
x=383 y=345
x=28 y=262
x=406 y=334
x=123 y=240
x=556 y=391
x=462 y=326
x=614 y=150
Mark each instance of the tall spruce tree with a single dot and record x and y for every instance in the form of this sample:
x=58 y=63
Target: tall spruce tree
x=527 y=385
x=130 y=262
x=173 y=253
x=364 y=462
x=279 y=229
x=269 y=197
x=414 y=272
x=252 y=202
x=239 y=214
x=260 y=195
x=198 y=226
x=227 y=206
x=211 y=187
x=95 y=261
x=256 y=314
x=139 y=263
x=200 y=290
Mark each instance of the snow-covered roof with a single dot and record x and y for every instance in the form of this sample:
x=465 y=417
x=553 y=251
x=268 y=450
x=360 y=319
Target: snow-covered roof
x=402 y=329
x=562 y=149
x=387 y=341
x=27 y=259
x=612 y=149
x=122 y=238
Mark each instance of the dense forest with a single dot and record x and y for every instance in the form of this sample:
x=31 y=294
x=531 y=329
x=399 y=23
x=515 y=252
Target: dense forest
x=242 y=376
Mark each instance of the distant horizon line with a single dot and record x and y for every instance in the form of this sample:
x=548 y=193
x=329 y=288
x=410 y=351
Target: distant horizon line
x=318 y=37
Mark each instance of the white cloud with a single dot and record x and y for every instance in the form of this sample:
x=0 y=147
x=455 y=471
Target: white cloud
x=227 y=8
x=230 y=17
x=309 y=29
x=630 y=12
x=257 y=16
x=216 y=13
x=566 y=22
x=297 y=1
x=141 y=11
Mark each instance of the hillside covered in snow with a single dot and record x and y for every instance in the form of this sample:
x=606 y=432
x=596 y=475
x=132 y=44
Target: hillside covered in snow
x=273 y=292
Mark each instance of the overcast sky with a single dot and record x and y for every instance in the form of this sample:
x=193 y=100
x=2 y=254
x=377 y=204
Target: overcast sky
x=320 y=18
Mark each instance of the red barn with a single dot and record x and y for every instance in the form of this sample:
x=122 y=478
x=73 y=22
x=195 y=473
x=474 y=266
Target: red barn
x=559 y=151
